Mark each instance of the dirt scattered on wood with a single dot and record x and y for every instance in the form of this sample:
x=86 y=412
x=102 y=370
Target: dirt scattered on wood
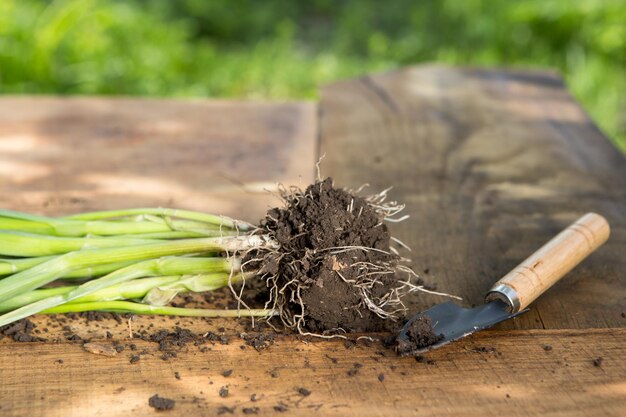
x=423 y=359
x=547 y=348
x=223 y=392
x=20 y=331
x=100 y=316
x=304 y=392
x=281 y=408
x=259 y=341
x=418 y=335
x=225 y=410
x=484 y=349
x=161 y=403
x=597 y=362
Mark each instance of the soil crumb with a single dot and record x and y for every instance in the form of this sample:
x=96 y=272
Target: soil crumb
x=484 y=349
x=225 y=410
x=418 y=335
x=259 y=341
x=161 y=403
x=334 y=260
x=304 y=392
x=281 y=408
x=598 y=361
x=20 y=331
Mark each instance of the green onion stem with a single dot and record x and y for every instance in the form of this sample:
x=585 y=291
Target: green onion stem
x=146 y=223
x=182 y=214
x=138 y=308
x=138 y=288
x=47 y=272
x=11 y=266
x=27 y=244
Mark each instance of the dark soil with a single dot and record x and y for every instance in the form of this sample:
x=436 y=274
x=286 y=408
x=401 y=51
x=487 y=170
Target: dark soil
x=170 y=342
x=225 y=410
x=314 y=230
x=259 y=341
x=161 y=403
x=20 y=331
x=281 y=408
x=422 y=359
x=484 y=349
x=598 y=361
x=420 y=334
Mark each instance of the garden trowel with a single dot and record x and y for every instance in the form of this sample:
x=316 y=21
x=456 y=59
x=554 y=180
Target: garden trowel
x=511 y=295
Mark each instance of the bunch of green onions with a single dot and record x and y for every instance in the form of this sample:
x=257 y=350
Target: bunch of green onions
x=125 y=261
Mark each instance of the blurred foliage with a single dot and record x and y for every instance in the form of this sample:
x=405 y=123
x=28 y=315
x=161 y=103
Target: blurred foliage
x=286 y=49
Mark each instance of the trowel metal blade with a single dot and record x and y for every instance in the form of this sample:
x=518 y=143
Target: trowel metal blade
x=454 y=322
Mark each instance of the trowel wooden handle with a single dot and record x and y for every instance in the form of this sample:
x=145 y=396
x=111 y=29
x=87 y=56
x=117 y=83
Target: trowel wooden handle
x=544 y=268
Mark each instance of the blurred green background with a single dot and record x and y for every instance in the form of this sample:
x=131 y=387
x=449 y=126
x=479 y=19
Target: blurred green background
x=286 y=49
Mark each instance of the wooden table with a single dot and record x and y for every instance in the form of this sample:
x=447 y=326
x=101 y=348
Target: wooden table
x=491 y=164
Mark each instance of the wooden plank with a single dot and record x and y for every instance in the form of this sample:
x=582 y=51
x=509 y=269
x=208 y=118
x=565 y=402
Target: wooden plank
x=491 y=164
x=517 y=377
x=65 y=155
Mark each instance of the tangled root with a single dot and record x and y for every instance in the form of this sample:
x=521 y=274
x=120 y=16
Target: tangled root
x=334 y=270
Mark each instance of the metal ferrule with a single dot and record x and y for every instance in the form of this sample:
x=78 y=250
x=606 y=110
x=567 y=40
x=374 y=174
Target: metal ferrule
x=504 y=293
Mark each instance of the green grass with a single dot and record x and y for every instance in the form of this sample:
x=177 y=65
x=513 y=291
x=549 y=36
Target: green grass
x=281 y=49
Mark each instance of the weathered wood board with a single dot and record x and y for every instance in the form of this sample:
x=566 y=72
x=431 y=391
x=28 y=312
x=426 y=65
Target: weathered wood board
x=491 y=164
x=61 y=156
x=518 y=378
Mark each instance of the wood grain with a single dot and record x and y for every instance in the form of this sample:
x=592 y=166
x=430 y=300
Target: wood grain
x=491 y=164
x=66 y=155
x=494 y=373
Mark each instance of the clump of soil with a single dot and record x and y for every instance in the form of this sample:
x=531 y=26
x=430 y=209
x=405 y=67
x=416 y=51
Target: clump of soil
x=20 y=331
x=170 y=342
x=161 y=403
x=259 y=341
x=418 y=335
x=334 y=268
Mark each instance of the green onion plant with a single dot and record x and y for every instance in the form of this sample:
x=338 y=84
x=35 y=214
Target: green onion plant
x=125 y=261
